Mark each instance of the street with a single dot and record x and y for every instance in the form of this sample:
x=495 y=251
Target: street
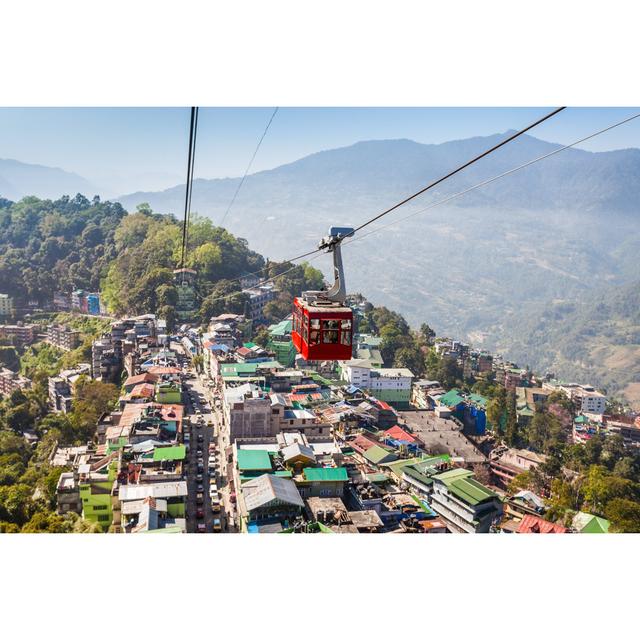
x=201 y=432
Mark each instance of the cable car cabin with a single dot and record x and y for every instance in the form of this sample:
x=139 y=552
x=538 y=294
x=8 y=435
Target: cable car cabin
x=322 y=329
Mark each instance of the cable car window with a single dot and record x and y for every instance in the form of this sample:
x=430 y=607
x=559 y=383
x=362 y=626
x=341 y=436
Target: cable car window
x=305 y=333
x=329 y=325
x=314 y=336
x=315 y=323
x=330 y=337
x=345 y=324
x=345 y=338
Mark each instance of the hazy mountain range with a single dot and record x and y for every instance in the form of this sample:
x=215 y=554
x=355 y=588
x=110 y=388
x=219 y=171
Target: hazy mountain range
x=19 y=179
x=562 y=230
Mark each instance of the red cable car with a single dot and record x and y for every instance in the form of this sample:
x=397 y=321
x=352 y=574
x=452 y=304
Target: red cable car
x=322 y=327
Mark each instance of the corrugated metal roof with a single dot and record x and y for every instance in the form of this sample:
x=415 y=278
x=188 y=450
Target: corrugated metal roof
x=157 y=490
x=261 y=491
x=378 y=455
x=253 y=460
x=325 y=474
x=177 y=452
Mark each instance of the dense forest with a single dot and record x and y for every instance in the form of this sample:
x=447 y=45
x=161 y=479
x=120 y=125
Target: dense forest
x=55 y=245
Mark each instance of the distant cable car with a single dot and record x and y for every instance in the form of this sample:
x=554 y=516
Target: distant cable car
x=322 y=327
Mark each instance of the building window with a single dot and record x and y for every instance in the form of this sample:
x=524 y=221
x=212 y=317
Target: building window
x=103 y=518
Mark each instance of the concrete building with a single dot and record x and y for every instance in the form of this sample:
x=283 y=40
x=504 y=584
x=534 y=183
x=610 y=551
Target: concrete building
x=11 y=381
x=247 y=412
x=63 y=337
x=280 y=343
x=6 y=305
x=21 y=334
x=61 y=387
x=386 y=384
x=463 y=503
x=258 y=298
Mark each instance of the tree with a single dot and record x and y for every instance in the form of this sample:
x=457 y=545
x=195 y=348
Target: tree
x=9 y=358
x=482 y=473
x=410 y=358
x=511 y=435
x=497 y=410
x=261 y=336
x=601 y=487
x=168 y=314
x=624 y=515
x=427 y=333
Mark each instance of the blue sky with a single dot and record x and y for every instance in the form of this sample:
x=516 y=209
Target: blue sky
x=130 y=149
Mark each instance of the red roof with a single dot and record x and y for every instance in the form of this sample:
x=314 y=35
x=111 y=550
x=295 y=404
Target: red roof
x=398 y=433
x=140 y=378
x=533 y=524
x=362 y=443
x=142 y=390
x=383 y=405
x=159 y=370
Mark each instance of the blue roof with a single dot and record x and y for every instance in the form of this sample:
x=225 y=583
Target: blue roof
x=219 y=347
x=352 y=389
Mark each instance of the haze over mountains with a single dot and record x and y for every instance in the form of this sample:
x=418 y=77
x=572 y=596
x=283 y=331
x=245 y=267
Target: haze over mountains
x=20 y=179
x=564 y=229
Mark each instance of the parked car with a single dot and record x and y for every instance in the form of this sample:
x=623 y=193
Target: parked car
x=199 y=514
x=199 y=478
x=200 y=488
x=202 y=527
x=199 y=498
x=217 y=525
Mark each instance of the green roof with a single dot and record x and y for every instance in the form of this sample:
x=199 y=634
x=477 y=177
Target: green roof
x=581 y=419
x=249 y=345
x=281 y=328
x=377 y=478
x=178 y=452
x=377 y=455
x=476 y=398
x=453 y=474
x=398 y=465
x=470 y=490
x=588 y=523
x=325 y=474
x=451 y=398
x=253 y=460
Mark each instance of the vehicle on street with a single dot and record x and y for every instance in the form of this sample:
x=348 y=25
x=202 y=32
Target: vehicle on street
x=200 y=488
x=215 y=506
x=200 y=437
x=200 y=513
x=200 y=468
x=199 y=477
x=202 y=527
x=217 y=525
x=199 y=498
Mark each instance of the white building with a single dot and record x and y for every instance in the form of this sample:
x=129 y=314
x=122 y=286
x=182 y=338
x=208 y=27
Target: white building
x=6 y=304
x=386 y=384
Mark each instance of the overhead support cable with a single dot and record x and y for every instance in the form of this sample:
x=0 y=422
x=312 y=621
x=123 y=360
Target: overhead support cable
x=246 y=171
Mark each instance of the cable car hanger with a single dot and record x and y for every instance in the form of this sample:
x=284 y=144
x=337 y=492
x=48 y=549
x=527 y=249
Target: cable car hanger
x=338 y=291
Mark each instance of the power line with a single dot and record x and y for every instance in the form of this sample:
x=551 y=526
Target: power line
x=415 y=195
x=246 y=171
x=188 y=187
x=496 y=177
x=517 y=134
x=465 y=191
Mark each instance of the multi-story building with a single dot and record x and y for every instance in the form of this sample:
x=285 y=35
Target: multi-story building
x=506 y=463
x=61 y=387
x=11 y=381
x=463 y=503
x=389 y=385
x=6 y=305
x=247 y=412
x=21 y=334
x=281 y=344
x=258 y=298
x=63 y=337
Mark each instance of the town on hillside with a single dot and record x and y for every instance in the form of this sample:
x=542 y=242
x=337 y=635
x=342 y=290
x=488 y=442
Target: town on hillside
x=150 y=426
